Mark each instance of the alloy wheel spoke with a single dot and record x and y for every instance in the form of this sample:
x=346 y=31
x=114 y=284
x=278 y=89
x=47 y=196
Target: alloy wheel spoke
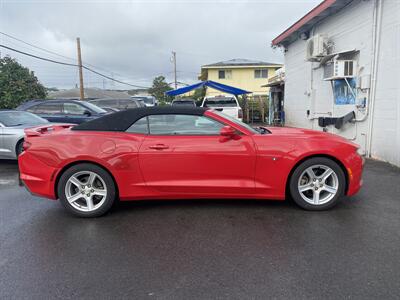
x=305 y=187
x=326 y=174
x=99 y=192
x=310 y=173
x=89 y=202
x=316 y=197
x=92 y=178
x=330 y=189
x=74 y=197
x=75 y=181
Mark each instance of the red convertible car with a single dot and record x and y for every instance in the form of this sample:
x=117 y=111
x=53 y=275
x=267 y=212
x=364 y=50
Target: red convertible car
x=181 y=153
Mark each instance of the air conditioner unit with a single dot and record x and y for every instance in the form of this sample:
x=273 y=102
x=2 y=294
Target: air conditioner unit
x=316 y=47
x=339 y=69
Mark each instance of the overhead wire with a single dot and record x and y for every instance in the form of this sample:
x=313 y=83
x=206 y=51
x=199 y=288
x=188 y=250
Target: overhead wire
x=71 y=65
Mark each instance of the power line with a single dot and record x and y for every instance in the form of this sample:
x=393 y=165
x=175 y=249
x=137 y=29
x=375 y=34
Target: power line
x=72 y=65
x=38 y=57
x=45 y=50
x=48 y=51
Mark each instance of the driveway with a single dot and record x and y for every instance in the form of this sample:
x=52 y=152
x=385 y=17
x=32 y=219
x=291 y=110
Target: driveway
x=203 y=249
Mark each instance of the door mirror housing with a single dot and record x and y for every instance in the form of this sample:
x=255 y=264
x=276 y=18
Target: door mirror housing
x=228 y=131
x=87 y=113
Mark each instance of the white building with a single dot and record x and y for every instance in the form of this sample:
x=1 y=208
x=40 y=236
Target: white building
x=344 y=57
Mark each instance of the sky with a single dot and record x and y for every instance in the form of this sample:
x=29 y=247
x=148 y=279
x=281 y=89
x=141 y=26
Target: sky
x=132 y=41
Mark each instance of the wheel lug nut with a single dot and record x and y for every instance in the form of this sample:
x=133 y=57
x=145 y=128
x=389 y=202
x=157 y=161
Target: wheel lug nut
x=316 y=188
x=88 y=185
x=83 y=186
x=312 y=184
x=92 y=190
x=314 y=179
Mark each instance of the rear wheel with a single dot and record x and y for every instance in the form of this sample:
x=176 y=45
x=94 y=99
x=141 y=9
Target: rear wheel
x=19 y=148
x=317 y=184
x=86 y=190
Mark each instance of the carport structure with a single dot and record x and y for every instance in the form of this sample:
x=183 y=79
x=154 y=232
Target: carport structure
x=211 y=84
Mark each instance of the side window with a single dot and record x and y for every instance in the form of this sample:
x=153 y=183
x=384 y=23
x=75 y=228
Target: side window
x=140 y=126
x=74 y=109
x=183 y=125
x=47 y=108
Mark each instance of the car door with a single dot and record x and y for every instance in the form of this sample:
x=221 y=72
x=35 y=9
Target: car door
x=185 y=154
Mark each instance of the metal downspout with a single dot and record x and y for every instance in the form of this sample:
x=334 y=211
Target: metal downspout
x=376 y=44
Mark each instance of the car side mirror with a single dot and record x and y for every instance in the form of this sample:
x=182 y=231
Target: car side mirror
x=87 y=113
x=227 y=131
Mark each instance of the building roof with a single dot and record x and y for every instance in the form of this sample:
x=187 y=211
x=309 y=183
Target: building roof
x=321 y=11
x=241 y=62
x=90 y=93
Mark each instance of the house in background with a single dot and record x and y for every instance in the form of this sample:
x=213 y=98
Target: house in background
x=342 y=63
x=246 y=74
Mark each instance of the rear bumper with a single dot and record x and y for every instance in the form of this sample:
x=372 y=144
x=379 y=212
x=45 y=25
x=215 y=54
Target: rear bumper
x=354 y=169
x=38 y=177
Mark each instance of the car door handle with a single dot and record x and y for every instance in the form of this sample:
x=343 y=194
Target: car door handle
x=159 y=147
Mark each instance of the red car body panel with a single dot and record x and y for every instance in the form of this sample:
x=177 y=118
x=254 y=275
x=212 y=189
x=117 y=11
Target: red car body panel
x=177 y=167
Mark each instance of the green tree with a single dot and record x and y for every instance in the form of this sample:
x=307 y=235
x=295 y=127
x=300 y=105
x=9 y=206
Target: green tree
x=160 y=86
x=17 y=84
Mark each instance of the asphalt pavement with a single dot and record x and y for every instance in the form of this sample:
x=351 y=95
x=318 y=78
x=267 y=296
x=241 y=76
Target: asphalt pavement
x=231 y=249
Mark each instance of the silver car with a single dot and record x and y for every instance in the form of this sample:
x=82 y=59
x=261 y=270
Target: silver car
x=12 y=125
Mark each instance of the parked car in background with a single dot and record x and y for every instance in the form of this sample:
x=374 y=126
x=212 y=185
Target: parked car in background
x=184 y=102
x=12 y=125
x=110 y=109
x=119 y=104
x=68 y=111
x=175 y=152
x=227 y=104
x=146 y=100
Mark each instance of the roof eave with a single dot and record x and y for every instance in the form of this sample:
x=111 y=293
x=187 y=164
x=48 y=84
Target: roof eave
x=321 y=11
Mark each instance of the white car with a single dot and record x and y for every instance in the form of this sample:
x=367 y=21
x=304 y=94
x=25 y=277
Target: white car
x=146 y=100
x=227 y=104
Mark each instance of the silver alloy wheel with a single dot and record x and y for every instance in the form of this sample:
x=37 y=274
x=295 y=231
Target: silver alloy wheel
x=86 y=191
x=318 y=184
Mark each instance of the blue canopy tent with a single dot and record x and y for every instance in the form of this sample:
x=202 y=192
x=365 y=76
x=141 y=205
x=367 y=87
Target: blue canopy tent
x=209 y=83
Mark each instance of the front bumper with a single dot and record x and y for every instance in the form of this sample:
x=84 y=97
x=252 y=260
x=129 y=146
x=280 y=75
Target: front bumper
x=354 y=169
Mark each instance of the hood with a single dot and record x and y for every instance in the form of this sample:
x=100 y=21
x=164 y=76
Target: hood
x=307 y=133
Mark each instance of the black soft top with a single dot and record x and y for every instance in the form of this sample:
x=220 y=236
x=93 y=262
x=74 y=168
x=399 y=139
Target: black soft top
x=122 y=120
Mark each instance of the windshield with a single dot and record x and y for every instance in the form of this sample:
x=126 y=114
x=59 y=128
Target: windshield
x=236 y=121
x=18 y=118
x=220 y=102
x=95 y=108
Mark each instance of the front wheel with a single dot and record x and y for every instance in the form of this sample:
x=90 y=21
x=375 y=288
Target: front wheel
x=86 y=190
x=317 y=184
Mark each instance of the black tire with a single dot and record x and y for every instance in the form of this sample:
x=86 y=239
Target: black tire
x=19 y=148
x=110 y=197
x=295 y=179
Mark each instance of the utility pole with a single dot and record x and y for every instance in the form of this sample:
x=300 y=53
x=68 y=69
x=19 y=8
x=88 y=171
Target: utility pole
x=81 y=90
x=174 y=61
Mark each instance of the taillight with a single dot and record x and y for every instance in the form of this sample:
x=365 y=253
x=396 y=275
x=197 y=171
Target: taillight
x=240 y=113
x=26 y=145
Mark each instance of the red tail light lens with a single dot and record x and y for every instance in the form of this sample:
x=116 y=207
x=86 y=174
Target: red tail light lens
x=240 y=114
x=26 y=145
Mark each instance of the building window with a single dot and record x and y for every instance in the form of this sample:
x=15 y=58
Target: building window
x=224 y=74
x=261 y=73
